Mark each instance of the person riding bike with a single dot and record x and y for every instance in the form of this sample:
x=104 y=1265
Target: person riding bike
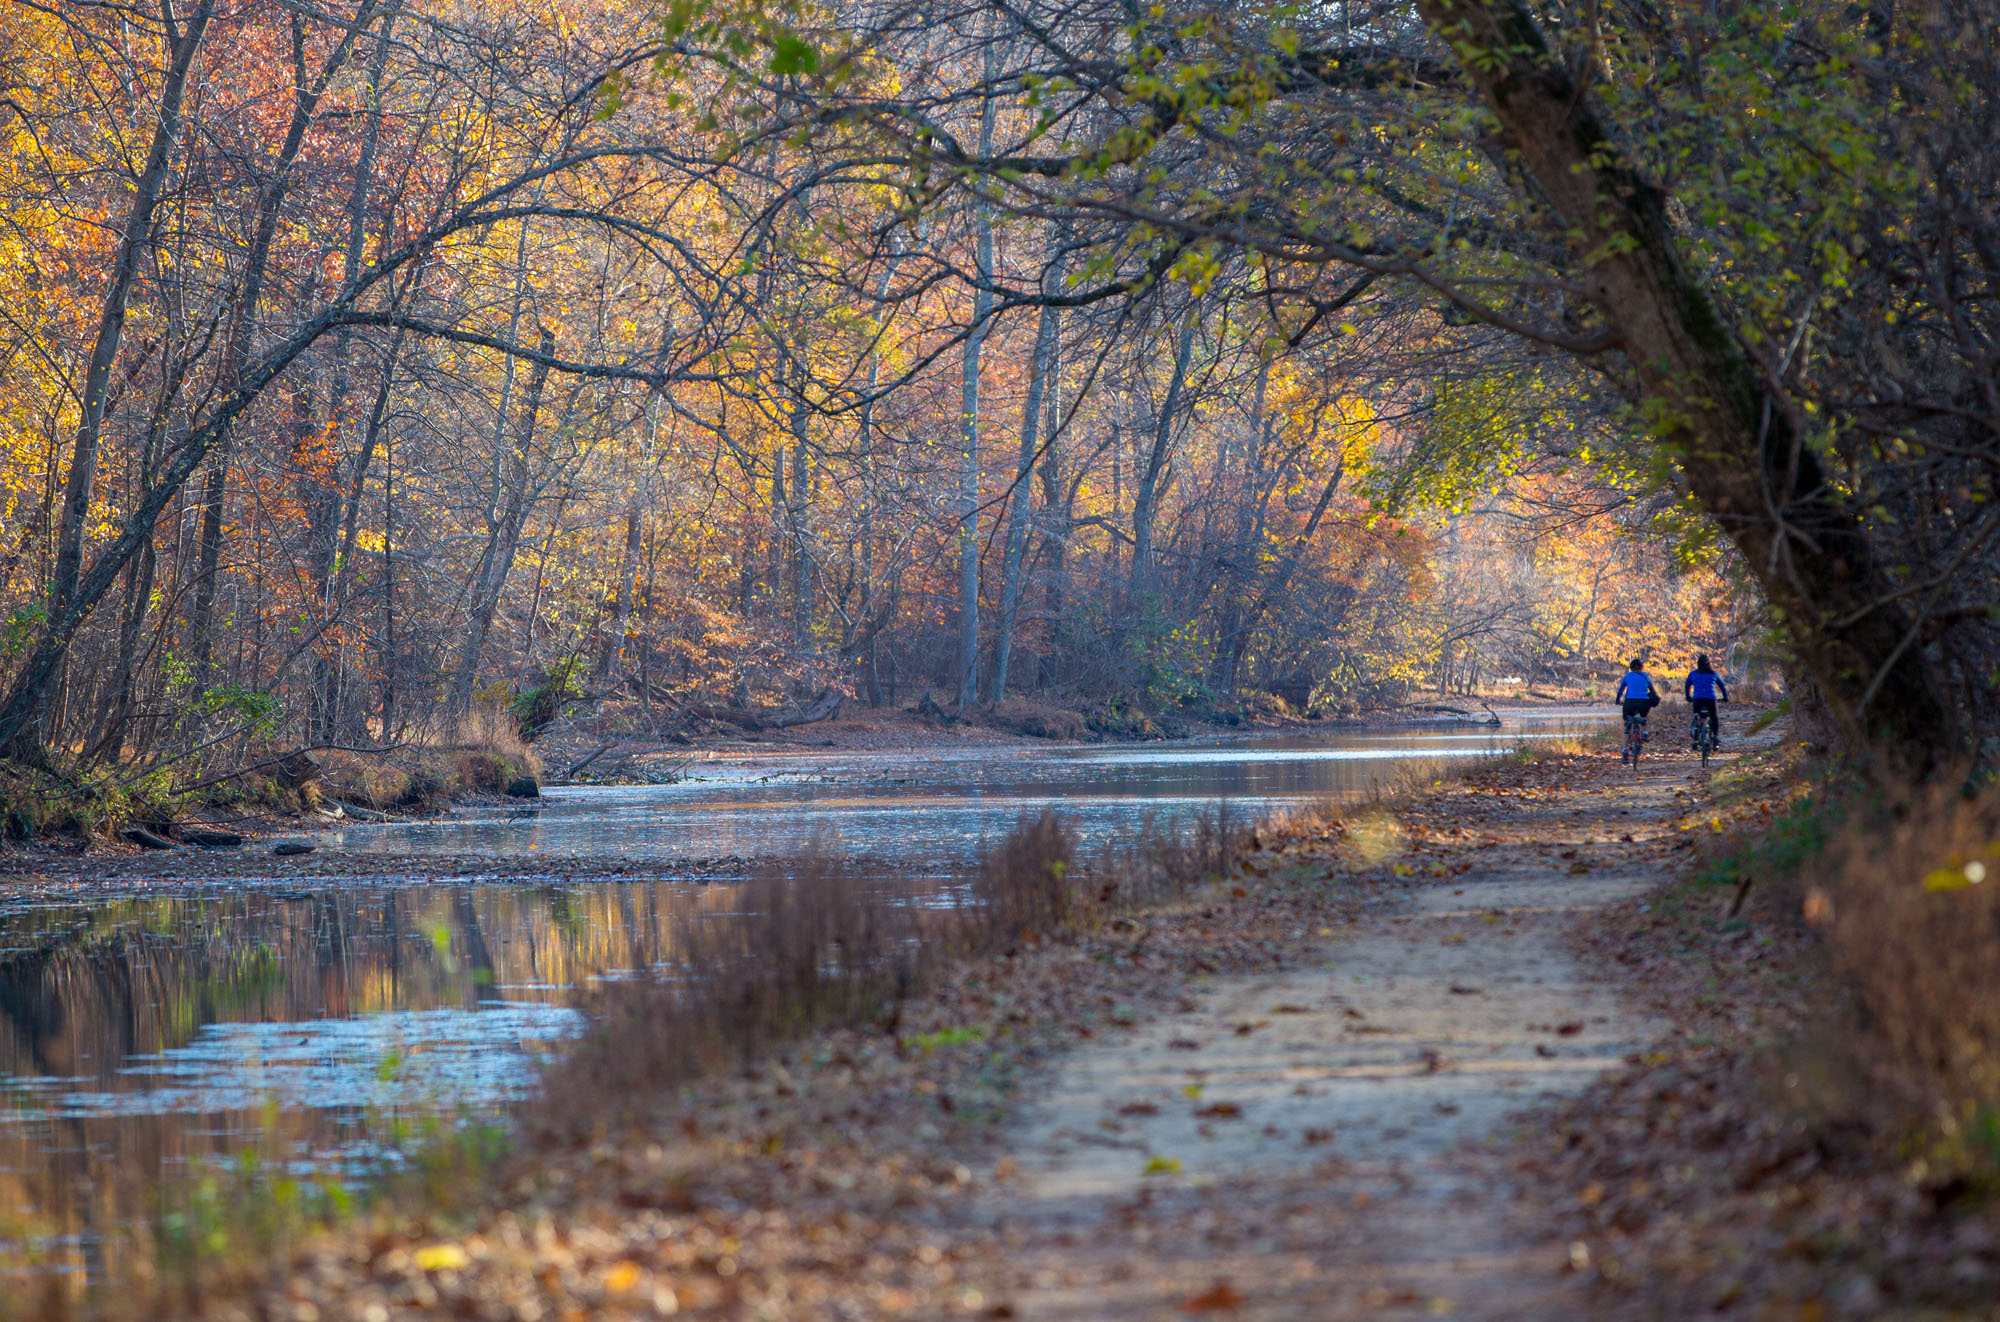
x=1636 y=694
x=1701 y=689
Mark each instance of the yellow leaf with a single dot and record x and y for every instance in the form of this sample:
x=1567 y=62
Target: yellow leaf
x=622 y=1277
x=441 y=1257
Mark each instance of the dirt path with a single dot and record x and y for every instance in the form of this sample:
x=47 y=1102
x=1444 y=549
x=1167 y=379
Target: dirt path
x=1324 y=1142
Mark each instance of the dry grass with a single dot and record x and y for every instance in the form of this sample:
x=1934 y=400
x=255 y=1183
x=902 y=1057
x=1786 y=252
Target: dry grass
x=485 y=754
x=819 y=942
x=1909 y=907
x=797 y=948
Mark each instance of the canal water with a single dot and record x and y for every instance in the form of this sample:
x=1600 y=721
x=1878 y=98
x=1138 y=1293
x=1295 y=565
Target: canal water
x=145 y=1035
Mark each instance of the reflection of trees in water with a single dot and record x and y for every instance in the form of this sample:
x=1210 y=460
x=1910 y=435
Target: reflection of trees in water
x=85 y=988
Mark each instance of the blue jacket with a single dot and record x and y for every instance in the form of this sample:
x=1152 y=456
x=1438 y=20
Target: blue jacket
x=1635 y=686
x=1704 y=684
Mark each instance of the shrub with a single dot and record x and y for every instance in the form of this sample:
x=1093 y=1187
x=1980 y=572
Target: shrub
x=1120 y=718
x=1023 y=885
x=1909 y=905
x=540 y=705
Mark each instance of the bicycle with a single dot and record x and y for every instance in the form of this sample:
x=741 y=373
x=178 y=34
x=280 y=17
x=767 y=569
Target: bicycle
x=1704 y=736
x=1635 y=739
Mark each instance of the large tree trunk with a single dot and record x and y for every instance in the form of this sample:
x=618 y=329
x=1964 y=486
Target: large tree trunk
x=1740 y=439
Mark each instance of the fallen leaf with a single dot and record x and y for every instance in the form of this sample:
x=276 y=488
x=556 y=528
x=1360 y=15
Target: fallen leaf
x=1220 y=1111
x=1215 y=1299
x=440 y=1257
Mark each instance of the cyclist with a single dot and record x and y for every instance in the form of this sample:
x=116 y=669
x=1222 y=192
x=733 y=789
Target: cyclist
x=1701 y=689
x=1636 y=694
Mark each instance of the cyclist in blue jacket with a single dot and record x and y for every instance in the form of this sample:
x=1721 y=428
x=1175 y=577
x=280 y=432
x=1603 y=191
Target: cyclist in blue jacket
x=1636 y=694
x=1702 y=688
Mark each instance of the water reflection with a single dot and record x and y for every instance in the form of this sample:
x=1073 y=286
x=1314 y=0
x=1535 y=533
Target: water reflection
x=139 y=1035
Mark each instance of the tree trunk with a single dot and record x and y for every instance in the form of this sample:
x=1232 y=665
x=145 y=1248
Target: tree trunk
x=1233 y=638
x=1275 y=590
x=1023 y=491
x=330 y=555
x=1741 y=441
x=621 y=611
x=82 y=478
x=1059 y=501
x=799 y=515
x=117 y=702
x=968 y=482
x=503 y=539
x=1145 y=504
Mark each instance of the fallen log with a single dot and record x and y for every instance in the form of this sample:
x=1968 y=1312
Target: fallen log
x=823 y=708
x=577 y=770
x=207 y=839
x=145 y=839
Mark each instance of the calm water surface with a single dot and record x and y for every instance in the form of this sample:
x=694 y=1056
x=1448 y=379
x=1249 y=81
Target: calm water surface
x=150 y=1032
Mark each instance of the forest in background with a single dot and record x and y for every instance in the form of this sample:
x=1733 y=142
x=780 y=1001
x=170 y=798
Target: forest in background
x=366 y=368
